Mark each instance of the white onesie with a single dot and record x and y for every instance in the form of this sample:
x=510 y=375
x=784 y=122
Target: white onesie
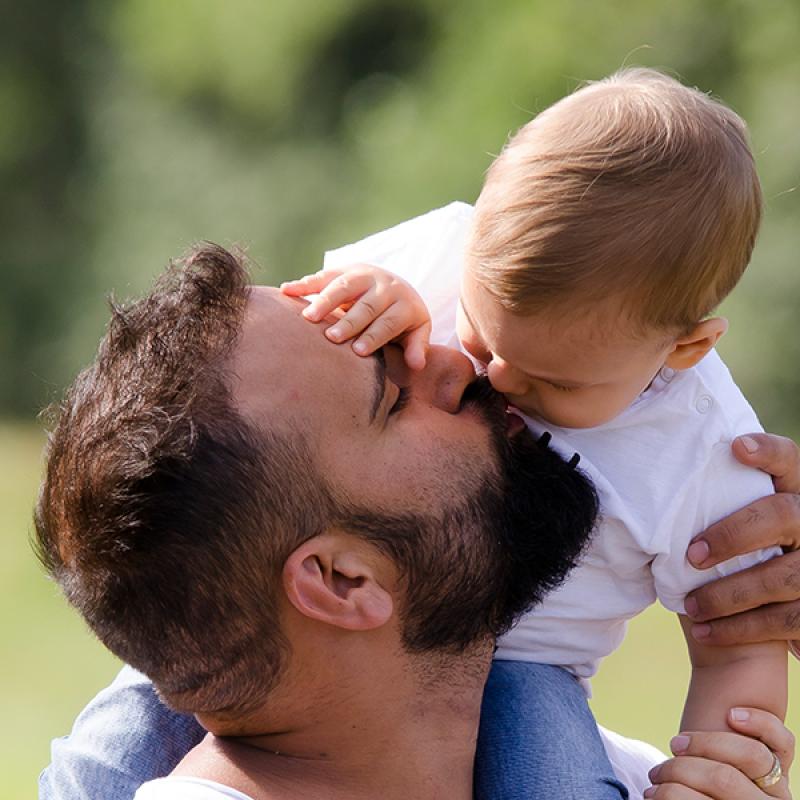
x=663 y=469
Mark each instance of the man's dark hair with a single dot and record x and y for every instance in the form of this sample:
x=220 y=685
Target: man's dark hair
x=163 y=514
x=166 y=517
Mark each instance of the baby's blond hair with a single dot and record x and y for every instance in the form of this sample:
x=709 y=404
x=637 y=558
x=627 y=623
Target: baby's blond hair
x=635 y=188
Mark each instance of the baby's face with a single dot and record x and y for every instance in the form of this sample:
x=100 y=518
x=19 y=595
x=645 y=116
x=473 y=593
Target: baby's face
x=574 y=372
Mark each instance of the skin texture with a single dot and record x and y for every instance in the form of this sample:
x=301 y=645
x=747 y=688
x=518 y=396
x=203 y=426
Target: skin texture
x=411 y=721
x=581 y=373
x=394 y=459
x=759 y=604
x=576 y=371
x=632 y=365
x=763 y=602
x=723 y=766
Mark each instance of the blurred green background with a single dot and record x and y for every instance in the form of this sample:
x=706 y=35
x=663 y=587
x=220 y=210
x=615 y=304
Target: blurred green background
x=130 y=129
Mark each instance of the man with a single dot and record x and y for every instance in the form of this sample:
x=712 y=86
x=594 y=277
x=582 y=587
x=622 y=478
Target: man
x=339 y=589
x=314 y=572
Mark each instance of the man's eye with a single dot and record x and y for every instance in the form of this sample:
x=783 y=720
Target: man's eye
x=403 y=396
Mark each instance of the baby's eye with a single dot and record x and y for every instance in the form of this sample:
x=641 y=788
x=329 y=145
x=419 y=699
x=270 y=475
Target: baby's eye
x=560 y=387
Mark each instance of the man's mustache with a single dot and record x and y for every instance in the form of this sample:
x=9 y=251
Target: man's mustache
x=481 y=393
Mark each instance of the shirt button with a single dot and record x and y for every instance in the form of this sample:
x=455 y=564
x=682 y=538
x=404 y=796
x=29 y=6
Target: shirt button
x=667 y=374
x=703 y=404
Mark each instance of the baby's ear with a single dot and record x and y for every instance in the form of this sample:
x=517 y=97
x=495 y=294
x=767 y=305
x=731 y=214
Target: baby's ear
x=692 y=347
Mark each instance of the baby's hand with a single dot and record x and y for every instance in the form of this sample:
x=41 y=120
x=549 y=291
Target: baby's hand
x=380 y=307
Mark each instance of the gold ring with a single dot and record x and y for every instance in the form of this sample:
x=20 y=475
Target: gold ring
x=772 y=777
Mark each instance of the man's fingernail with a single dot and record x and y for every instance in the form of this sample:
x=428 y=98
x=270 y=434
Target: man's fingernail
x=690 y=606
x=653 y=774
x=701 y=631
x=698 y=551
x=679 y=744
x=650 y=791
x=749 y=444
x=740 y=714
x=360 y=347
x=334 y=333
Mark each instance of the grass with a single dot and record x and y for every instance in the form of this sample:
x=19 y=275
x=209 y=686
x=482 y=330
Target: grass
x=52 y=665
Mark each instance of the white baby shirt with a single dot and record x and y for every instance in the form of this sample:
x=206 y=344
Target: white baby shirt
x=186 y=788
x=663 y=469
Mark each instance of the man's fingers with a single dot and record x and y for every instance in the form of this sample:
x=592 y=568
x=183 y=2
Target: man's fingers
x=774 y=581
x=775 y=455
x=750 y=756
x=778 y=622
x=773 y=520
x=707 y=777
x=309 y=284
x=768 y=729
x=674 y=791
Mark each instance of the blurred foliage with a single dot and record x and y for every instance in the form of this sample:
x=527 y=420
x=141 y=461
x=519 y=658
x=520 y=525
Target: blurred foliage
x=129 y=129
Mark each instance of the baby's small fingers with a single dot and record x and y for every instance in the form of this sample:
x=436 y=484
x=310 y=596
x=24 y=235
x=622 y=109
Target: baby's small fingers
x=389 y=325
x=416 y=346
x=343 y=289
x=309 y=284
x=361 y=314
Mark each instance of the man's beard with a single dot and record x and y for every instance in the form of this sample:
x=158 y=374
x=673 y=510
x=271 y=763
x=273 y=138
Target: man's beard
x=473 y=567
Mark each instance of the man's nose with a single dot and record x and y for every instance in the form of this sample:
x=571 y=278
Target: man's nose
x=444 y=379
x=505 y=378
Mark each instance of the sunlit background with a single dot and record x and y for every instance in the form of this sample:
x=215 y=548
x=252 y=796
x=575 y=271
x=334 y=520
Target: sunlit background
x=130 y=129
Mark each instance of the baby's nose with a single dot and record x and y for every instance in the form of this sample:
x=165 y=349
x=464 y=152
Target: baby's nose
x=505 y=378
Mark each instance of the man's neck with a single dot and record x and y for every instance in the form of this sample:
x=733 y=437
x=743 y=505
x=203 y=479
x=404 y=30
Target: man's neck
x=414 y=740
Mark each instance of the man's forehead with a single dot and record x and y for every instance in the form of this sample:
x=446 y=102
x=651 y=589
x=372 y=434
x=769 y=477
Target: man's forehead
x=280 y=352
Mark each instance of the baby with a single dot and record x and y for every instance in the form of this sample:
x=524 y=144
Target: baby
x=607 y=231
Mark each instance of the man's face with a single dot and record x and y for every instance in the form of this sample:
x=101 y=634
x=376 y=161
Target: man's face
x=381 y=435
x=478 y=518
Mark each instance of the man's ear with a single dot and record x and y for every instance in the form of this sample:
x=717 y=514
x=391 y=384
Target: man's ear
x=692 y=347
x=335 y=578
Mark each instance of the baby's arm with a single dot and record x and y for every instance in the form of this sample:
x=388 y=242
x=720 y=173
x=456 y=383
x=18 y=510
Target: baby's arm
x=747 y=675
x=380 y=307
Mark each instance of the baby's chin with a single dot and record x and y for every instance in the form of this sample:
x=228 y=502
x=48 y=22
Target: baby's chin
x=576 y=422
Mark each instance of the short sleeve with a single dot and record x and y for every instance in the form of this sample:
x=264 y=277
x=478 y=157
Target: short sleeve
x=412 y=249
x=720 y=488
x=428 y=252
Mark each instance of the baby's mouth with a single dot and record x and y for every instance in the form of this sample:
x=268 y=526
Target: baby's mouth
x=514 y=422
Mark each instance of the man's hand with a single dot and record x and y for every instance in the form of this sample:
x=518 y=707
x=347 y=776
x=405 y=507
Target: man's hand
x=719 y=765
x=761 y=603
x=380 y=308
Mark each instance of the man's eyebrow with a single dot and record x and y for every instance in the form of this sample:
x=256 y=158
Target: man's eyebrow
x=380 y=384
